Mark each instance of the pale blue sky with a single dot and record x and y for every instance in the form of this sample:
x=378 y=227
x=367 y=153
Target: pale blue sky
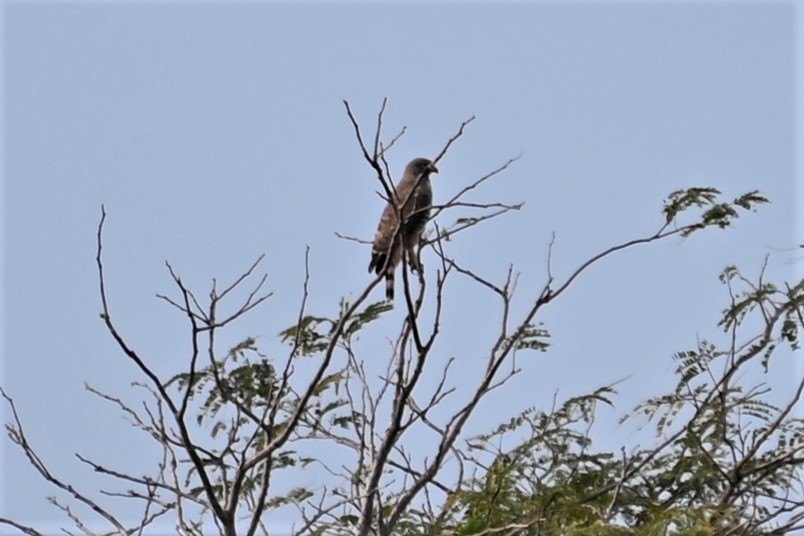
x=215 y=132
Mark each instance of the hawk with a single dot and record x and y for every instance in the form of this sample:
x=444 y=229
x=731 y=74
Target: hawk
x=413 y=197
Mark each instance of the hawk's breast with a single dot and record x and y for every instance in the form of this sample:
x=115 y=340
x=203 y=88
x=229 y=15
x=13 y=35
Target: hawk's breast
x=421 y=209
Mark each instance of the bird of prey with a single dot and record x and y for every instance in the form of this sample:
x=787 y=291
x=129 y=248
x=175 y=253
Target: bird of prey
x=413 y=198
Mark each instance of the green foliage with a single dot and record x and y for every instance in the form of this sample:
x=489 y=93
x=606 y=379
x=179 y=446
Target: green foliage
x=306 y=337
x=715 y=213
x=727 y=460
x=295 y=496
x=770 y=301
x=313 y=334
x=529 y=337
x=528 y=484
x=244 y=384
x=359 y=320
x=242 y=381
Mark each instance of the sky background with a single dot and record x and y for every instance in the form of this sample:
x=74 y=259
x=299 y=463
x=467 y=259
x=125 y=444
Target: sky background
x=215 y=132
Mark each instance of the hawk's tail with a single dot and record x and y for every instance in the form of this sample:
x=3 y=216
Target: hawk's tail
x=389 y=285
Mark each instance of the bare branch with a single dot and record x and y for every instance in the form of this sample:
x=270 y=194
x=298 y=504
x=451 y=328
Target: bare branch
x=19 y=526
x=157 y=383
x=453 y=139
x=17 y=435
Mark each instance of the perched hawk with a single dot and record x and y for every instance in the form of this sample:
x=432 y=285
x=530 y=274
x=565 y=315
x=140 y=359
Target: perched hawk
x=414 y=196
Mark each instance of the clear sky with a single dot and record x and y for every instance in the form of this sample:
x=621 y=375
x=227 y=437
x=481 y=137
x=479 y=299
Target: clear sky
x=214 y=132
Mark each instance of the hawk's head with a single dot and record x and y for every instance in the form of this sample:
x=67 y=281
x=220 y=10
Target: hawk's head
x=419 y=166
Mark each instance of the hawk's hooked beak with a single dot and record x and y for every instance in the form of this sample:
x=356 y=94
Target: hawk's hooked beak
x=432 y=168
